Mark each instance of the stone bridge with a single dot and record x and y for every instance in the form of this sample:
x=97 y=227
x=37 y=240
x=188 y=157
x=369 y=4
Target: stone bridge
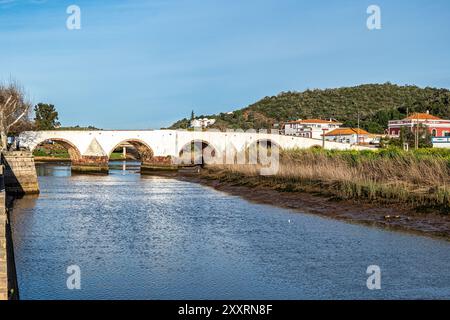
x=90 y=150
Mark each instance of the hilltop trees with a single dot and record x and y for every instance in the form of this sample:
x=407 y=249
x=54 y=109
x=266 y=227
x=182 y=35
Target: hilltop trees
x=376 y=103
x=14 y=110
x=46 y=117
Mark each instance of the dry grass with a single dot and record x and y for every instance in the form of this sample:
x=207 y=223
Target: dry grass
x=418 y=179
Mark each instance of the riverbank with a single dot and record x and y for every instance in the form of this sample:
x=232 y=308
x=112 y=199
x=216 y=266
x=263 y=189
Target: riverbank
x=393 y=218
x=393 y=189
x=9 y=289
x=3 y=241
x=38 y=159
x=13 y=284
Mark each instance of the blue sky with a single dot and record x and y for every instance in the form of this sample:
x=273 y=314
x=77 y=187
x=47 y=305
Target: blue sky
x=144 y=64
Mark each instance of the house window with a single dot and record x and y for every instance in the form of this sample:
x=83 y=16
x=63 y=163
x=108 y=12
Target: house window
x=446 y=133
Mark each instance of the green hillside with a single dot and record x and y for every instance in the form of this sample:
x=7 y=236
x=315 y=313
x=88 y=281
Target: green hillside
x=377 y=104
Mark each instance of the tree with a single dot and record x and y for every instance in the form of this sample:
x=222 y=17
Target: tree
x=13 y=109
x=46 y=116
x=24 y=124
x=192 y=115
x=377 y=104
x=409 y=136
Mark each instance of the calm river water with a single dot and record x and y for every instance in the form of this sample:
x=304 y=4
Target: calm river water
x=146 y=237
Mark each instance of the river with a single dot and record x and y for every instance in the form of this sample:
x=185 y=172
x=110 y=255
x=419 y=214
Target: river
x=150 y=237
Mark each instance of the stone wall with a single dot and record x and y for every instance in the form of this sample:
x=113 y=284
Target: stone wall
x=20 y=173
x=90 y=164
x=3 y=257
x=158 y=164
x=17 y=176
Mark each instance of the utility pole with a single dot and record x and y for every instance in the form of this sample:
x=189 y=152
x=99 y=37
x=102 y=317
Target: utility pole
x=357 y=131
x=416 y=136
x=323 y=138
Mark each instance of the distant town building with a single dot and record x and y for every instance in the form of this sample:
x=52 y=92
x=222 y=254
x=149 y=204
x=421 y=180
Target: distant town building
x=351 y=135
x=310 y=128
x=437 y=127
x=202 y=123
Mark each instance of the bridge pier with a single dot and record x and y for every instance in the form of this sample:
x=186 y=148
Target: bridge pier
x=91 y=164
x=158 y=164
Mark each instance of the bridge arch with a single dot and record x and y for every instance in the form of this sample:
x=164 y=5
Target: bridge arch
x=144 y=150
x=74 y=152
x=198 y=151
x=232 y=155
x=259 y=150
x=268 y=142
x=264 y=143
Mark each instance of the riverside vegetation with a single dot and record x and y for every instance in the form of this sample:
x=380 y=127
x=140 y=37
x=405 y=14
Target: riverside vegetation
x=418 y=179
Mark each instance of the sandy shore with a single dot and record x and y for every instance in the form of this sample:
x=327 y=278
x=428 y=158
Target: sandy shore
x=387 y=217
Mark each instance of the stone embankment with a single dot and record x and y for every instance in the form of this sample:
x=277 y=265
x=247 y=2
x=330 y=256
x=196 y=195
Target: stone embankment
x=3 y=257
x=20 y=173
x=17 y=177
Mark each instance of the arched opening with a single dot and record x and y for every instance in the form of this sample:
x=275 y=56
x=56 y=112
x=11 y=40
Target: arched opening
x=130 y=154
x=55 y=157
x=56 y=149
x=197 y=152
x=261 y=151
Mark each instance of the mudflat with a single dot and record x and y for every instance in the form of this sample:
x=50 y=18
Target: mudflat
x=392 y=217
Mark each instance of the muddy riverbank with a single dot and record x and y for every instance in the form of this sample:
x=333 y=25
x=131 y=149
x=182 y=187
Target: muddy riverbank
x=392 y=217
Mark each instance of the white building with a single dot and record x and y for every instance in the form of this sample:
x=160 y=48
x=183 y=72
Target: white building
x=202 y=123
x=310 y=128
x=351 y=135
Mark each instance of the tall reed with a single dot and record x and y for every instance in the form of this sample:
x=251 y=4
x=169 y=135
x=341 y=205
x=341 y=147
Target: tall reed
x=417 y=178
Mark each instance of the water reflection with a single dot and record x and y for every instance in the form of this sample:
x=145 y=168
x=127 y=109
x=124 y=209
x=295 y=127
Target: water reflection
x=126 y=166
x=62 y=169
x=57 y=169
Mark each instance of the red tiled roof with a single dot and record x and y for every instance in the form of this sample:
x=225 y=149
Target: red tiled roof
x=422 y=116
x=346 y=132
x=314 y=121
